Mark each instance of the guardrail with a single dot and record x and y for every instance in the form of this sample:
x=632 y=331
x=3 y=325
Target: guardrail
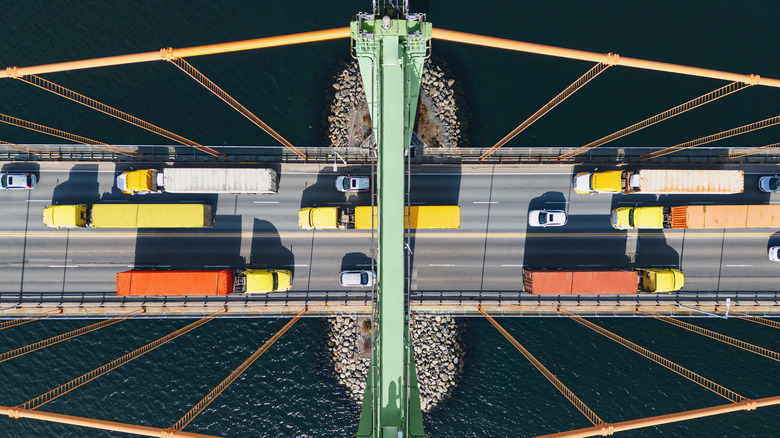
x=366 y=155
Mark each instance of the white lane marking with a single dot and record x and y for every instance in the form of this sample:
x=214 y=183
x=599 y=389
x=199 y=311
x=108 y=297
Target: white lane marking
x=301 y=265
x=739 y=266
x=438 y=265
x=513 y=266
x=63 y=266
x=39 y=200
x=265 y=202
x=485 y=202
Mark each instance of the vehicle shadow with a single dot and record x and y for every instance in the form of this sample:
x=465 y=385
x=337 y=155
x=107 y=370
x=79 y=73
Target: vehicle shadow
x=323 y=192
x=205 y=248
x=652 y=251
x=357 y=261
x=81 y=187
x=267 y=250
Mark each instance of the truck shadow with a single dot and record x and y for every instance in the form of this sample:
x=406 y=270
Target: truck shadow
x=267 y=250
x=652 y=251
x=81 y=187
x=586 y=241
x=208 y=248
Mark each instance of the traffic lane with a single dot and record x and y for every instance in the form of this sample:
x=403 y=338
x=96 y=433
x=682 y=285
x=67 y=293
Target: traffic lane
x=62 y=277
x=325 y=253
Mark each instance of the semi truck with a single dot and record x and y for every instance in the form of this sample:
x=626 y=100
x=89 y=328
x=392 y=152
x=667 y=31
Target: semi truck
x=129 y=216
x=219 y=282
x=659 y=181
x=205 y=180
x=360 y=218
x=613 y=281
x=697 y=217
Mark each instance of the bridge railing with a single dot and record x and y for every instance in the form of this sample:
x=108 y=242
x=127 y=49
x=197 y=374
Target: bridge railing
x=366 y=155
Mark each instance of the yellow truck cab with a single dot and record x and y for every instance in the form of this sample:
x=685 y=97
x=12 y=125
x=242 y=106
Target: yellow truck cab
x=662 y=280
x=137 y=181
x=610 y=181
x=65 y=216
x=627 y=218
x=319 y=218
x=260 y=281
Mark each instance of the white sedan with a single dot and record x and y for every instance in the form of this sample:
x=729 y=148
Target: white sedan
x=353 y=183
x=774 y=253
x=547 y=218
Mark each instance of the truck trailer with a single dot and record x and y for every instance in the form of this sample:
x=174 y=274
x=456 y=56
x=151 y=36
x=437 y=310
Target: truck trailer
x=129 y=216
x=614 y=281
x=418 y=217
x=221 y=282
x=660 y=181
x=697 y=217
x=202 y=180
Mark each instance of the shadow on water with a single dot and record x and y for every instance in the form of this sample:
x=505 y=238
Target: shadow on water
x=81 y=187
x=267 y=250
x=206 y=248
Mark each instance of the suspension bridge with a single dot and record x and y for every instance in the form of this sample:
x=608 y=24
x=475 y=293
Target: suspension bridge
x=472 y=271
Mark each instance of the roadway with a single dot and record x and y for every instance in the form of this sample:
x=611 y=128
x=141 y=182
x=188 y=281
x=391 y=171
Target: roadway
x=485 y=255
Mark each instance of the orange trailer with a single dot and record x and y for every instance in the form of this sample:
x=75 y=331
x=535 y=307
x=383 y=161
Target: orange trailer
x=174 y=282
x=559 y=282
x=726 y=216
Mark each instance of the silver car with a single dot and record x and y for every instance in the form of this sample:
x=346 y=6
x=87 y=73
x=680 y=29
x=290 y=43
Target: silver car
x=547 y=218
x=17 y=181
x=353 y=183
x=769 y=184
x=364 y=278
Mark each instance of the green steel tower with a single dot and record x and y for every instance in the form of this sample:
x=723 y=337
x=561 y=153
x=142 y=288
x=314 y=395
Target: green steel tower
x=391 y=46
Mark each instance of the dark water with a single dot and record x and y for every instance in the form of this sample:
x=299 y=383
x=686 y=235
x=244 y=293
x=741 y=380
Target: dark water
x=289 y=391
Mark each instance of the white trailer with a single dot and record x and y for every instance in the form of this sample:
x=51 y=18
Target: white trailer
x=199 y=180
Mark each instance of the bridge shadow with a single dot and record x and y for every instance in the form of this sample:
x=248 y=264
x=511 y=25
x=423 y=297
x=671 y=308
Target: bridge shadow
x=267 y=250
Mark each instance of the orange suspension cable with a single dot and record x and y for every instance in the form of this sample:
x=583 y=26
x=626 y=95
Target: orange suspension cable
x=717 y=336
x=756 y=319
x=610 y=429
x=211 y=86
x=688 y=374
x=65 y=336
x=66 y=135
x=550 y=376
x=198 y=408
x=113 y=112
x=26 y=319
x=772 y=121
x=159 y=55
x=758 y=150
x=571 y=89
x=27 y=149
x=92 y=375
x=97 y=424
x=540 y=49
x=691 y=104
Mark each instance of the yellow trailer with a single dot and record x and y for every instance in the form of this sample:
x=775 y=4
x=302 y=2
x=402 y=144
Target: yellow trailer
x=129 y=216
x=418 y=217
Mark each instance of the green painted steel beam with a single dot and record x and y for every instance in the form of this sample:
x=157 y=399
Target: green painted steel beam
x=391 y=54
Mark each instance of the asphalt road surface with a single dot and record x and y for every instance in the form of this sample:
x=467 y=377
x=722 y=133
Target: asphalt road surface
x=486 y=254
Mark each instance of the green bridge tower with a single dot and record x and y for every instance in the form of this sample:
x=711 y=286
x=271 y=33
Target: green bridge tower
x=391 y=46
